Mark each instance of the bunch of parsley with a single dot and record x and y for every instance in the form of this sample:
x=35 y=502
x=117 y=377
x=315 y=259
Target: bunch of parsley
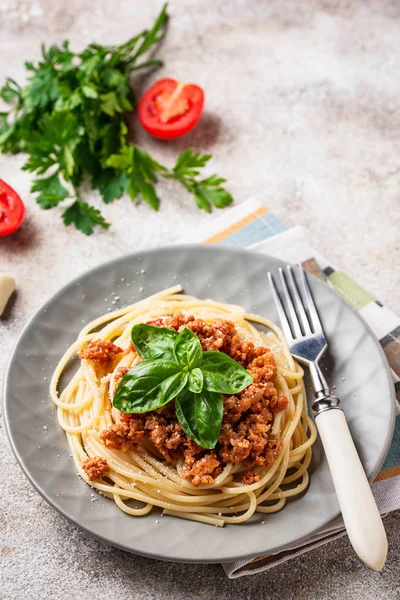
x=69 y=119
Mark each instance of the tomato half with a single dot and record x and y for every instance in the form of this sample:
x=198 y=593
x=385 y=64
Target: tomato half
x=12 y=209
x=169 y=109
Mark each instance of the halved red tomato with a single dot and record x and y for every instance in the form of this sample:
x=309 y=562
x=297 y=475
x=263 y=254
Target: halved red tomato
x=12 y=209
x=169 y=109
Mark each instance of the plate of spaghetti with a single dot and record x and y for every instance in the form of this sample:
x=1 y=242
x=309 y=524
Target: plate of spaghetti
x=173 y=396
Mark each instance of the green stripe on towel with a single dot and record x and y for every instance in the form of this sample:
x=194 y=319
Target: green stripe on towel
x=355 y=295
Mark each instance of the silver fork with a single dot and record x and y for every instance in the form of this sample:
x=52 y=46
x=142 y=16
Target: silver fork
x=304 y=334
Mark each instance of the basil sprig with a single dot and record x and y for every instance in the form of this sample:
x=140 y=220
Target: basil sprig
x=175 y=366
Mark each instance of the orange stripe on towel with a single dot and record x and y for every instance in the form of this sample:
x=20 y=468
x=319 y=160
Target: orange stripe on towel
x=222 y=235
x=388 y=473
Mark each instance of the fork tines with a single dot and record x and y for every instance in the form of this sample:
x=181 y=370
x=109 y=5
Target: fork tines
x=300 y=319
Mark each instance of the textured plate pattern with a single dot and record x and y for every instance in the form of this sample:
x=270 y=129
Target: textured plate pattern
x=356 y=366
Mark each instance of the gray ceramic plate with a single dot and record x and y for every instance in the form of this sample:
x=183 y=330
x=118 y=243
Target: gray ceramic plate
x=357 y=366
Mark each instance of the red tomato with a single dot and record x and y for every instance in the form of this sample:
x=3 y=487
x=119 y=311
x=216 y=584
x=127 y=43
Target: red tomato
x=12 y=209
x=169 y=109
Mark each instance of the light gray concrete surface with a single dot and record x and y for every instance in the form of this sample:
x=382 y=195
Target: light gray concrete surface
x=302 y=111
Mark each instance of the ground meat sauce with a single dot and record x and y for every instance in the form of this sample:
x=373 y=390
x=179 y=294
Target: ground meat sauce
x=101 y=352
x=125 y=435
x=248 y=416
x=95 y=467
x=250 y=478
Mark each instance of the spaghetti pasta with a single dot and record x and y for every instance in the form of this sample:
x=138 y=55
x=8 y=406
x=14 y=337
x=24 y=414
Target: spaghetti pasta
x=141 y=475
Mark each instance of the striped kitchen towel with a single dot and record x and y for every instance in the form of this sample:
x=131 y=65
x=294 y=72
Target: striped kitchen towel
x=251 y=225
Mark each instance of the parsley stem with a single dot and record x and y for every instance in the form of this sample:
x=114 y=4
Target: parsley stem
x=76 y=191
x=148 y=63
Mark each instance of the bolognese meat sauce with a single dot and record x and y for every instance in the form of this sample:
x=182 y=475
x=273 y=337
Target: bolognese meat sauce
x=247 y=418
x=95 y=467
x=102 y=353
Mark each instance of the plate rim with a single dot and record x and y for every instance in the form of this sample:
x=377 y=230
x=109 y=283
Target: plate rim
x=150 y=251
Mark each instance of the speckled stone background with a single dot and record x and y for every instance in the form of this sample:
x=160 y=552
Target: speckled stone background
x=302 y=111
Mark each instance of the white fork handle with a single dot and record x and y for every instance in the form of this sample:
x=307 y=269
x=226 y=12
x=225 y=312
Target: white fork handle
x=360 y=513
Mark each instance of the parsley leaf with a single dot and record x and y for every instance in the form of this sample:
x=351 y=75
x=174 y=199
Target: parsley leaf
x=54 y=143
x=111 y=184
x=189 y=163
x=84 y=217
x=207 y=192
x=110 y=104
x=10 y=91
x=146 y=190
x=52 y=192
x=70 y=120
x=141 y=170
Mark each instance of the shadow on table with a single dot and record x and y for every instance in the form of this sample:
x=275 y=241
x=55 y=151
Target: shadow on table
x=331 y=571
x=202 y=138
x=22 y=240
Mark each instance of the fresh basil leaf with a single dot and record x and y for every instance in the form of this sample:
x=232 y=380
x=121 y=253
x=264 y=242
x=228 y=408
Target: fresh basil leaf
x=187 y=350
x=149 y=385
x=223 y=374
x=154 y=342
x=195 y=381
x=200 y=416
